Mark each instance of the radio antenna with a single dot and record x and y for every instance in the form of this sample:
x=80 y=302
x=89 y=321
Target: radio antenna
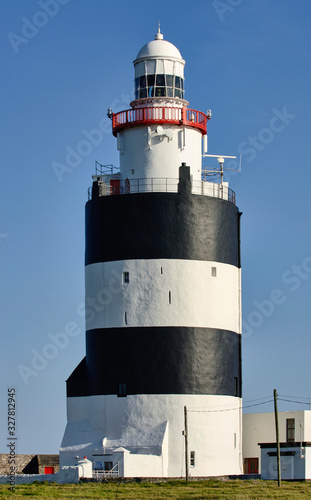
x=221 y=161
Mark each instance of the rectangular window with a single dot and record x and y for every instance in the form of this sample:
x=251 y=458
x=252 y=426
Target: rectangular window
x=192 y=458
x=178 y=83
x=142 y=81
x=234 y=441
x=126 y=277
x=160 y=80
x=236 y=387
x=161 y=270
x=169 y=80
x=150 y=80
x=178 y=93
x=108 y=466
x=125 y=317
x=214 y=271
x=98 y=465
x=122 y=390
x=169 y=297
x=290 y=430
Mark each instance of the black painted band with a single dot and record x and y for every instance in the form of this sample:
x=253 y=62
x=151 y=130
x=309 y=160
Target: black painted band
x=159 y=360
x=162 y=226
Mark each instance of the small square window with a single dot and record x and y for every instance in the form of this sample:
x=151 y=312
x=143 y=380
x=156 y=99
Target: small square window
x=126 y=277
x=214 y=271
x=192 y=458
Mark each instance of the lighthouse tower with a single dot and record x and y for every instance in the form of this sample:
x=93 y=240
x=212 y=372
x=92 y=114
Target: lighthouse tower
x=163 y=287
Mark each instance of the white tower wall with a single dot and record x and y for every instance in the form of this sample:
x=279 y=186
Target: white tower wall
x=157 y=151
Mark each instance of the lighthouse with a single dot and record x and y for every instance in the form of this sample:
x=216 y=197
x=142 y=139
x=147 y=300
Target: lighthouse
x=162 y=295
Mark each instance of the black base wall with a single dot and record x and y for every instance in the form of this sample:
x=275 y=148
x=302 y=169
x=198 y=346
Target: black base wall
x=159 y=360
x=162 y=226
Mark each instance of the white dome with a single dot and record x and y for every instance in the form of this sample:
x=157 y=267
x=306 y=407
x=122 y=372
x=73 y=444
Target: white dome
x=159 y=48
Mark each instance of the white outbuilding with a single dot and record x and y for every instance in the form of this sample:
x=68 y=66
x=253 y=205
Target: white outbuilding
x=259 y=444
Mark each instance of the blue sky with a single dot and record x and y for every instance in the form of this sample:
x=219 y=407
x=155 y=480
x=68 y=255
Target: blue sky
x=63 y=63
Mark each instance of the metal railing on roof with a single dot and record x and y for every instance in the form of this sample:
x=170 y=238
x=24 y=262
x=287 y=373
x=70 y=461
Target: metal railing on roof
x=105 y=169
x=161 y=185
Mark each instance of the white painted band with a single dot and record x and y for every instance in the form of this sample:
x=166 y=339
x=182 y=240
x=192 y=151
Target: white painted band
x=162 y=292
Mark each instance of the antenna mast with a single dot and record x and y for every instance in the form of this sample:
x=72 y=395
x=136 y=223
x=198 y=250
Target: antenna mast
x=221 y=161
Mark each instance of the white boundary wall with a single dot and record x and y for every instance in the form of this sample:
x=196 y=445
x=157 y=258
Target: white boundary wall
x=66 y=475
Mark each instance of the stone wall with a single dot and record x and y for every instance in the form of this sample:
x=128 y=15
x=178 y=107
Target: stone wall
x=20 y=462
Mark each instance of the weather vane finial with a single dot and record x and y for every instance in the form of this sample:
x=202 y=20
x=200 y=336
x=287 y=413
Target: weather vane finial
x=159 y=35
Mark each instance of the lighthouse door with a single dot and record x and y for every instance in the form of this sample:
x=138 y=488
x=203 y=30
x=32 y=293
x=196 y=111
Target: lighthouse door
x=114 y=186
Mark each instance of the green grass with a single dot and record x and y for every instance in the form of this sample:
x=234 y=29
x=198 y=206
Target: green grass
x=178 y=490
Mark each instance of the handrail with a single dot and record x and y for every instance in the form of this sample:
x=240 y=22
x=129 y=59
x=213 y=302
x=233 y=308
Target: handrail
x=162 y=185
x=159 y=114
x=103 y=474
x=105 y=169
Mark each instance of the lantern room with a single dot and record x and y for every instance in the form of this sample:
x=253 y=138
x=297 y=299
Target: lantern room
x=159 y=71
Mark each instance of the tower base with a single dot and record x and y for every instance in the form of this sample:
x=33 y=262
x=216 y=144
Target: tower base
x=141 y=435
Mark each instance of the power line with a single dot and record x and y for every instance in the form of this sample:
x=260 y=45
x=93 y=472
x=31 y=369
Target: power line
x=294 y=397
x=258 y=399
x=268 y=398
x=230 y=409
x=256 y=402
x=291 y=401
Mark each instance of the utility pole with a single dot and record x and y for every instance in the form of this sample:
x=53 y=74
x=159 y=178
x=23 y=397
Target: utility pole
x=186 y=443
x=277 y=435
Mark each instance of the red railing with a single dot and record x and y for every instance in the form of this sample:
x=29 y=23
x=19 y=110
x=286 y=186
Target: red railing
x=160 y=115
